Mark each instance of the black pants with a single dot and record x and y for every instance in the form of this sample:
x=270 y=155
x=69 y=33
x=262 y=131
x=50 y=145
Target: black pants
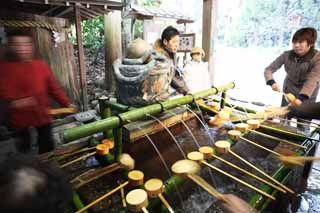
x=45 y=140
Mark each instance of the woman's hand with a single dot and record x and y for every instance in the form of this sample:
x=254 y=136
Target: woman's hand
x=275 y=87
x=234 y=204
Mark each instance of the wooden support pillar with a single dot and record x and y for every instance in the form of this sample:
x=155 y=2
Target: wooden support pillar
x=112 y=34
x=208 y=25
x=82 y=67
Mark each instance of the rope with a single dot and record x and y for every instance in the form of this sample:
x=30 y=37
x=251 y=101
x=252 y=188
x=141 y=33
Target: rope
x=7 y=23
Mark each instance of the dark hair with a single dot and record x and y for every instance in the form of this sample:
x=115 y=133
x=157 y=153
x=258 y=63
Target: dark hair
x=32 y=186
x=308 y=34
x=168 y=33
x=18 y=32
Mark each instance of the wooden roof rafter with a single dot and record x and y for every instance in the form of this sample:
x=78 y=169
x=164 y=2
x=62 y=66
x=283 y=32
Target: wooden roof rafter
x=59 y=8
x=113 y=5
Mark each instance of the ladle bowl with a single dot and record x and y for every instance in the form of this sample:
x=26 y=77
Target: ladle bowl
x=154 y=187
x=234 y=135
x=137 y=200
x=242 y=127
x=185 y=166
x=222 y=146
x=253 y=124
x=102 y=149
x=136 y=177
x=207 y=151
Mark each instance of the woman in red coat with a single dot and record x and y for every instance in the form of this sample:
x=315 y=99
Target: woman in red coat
x=26 y=84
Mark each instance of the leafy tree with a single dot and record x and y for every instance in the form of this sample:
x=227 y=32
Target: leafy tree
x=272 y=22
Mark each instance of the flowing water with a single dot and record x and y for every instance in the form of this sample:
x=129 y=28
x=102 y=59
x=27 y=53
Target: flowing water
x=170 y=133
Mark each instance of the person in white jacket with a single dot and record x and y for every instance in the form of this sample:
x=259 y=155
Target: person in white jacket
x=196 y=74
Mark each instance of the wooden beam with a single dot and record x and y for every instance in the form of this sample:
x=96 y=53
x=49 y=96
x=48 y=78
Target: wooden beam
x=67 y=10
x=102 y=11
x=90 y=15
x=49 y=11
x=82 y=67
x=91 y=11
x=208 y=29
x=111 y=4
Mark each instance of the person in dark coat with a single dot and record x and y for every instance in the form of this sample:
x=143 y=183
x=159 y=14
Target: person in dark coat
x=168 y=46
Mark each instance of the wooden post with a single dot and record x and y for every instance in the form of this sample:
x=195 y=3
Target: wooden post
x=112 y=32
x=82 y=67
x=126 y=25
x=208 y=26
x=60 y=56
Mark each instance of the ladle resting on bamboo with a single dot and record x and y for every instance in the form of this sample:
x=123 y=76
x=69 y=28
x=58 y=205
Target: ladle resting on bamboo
x=199 y=157
x=225 y=147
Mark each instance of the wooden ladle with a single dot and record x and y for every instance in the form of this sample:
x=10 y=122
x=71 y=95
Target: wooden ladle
x=101 y=149
x=135 y=178
x=207 y=152
x=297 y=160
x=137 y=200
x=125 y=162
x=154 y=188
x=199 y=157
x=242 y=128
x=189 y=168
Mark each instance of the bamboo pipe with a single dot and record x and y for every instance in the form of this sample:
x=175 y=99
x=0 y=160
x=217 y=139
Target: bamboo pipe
x=208 y=153
x=189 y=168
x=198 y=157
x=224 y=147
x=154 y=188
x=277 y=139
x=101 y=149
x=136 y=114
x=135 y=178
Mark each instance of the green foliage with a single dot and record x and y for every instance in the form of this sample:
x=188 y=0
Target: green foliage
x=270 y=22
x=92 y=33
x=138 y=25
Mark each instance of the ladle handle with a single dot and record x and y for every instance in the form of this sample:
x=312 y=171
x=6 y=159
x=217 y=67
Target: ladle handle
x=124 y=204
x=78 y=159
x=258 y=145
x=144 y=210
x=90 y=176
x=249 y=173
x=102 y=197
x=277 y=139
x=201 y=182
x=302 y=158
x=260 y=171
x=165 y=203
x=301 y=123
x=238 y=180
